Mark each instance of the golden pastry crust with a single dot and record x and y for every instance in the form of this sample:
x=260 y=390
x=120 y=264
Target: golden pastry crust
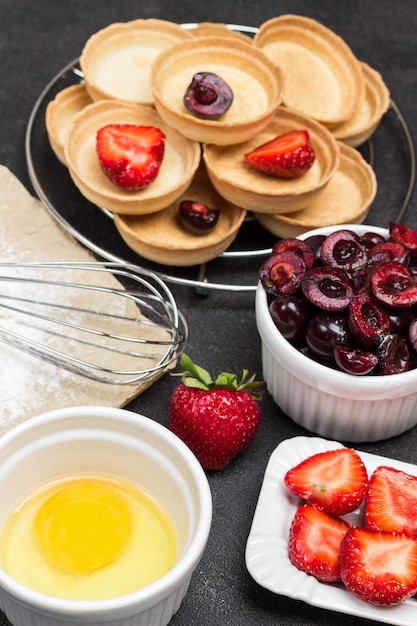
x=323 y=78
x=160 y=237
x=59 y=115
x=181 y=159
x=217 y=29
x=239 y=183
x=256 y=83
x=366 y=119
x=345 y=200
x=116 y=60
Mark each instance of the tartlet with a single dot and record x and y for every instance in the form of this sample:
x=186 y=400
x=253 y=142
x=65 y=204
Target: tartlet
x=323 y=78
x=59 y=115
x=345 y=200
x=181 y=159
x=218 y=29
x=116 y=60
x=366 y=119
x=239 y=183
x=160 y=237
x=256 y=83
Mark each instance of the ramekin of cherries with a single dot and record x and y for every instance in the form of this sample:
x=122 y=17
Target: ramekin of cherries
x=347 y=300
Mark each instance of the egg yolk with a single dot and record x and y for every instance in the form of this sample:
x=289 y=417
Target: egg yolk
x=83 y=526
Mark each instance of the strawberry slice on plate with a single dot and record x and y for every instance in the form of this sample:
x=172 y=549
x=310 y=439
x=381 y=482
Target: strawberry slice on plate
x=287 y=156
x=391 y=501
x=379 y=567
x=335 y=480
x=314 y=542
x=130 y=155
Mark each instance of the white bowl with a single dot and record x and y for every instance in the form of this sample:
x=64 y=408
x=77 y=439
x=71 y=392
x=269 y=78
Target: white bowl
x=114 y=441
x=326 y=401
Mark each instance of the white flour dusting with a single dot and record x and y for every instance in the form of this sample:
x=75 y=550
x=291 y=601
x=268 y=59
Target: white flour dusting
x=28 y=385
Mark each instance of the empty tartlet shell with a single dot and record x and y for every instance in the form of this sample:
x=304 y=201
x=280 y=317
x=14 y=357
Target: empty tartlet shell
x=116 y=60
x=323 y=78
x=181 y=159
x=345 y=200
x=218 y=29
x=59 y=115
x=366 y=119
x=256 y=83
x=162 y=238
x=241 y=184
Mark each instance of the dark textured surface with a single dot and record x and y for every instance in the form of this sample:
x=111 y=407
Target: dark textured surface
x=37 y=39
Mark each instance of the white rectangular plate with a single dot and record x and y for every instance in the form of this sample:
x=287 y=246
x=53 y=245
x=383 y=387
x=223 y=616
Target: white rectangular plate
x=267 y=546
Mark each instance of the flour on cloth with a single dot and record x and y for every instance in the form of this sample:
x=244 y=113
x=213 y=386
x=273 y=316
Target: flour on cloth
x=29 y=385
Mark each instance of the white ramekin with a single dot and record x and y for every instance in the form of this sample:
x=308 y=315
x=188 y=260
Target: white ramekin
x=114 y=441
x=324 y=400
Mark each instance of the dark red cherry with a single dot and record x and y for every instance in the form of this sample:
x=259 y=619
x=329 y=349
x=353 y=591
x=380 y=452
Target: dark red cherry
x=400 y=319
x=354 y=361
x=412 y=334
x=393 y=285
x=208 y=95
x=370 y=239
x=329 y=288
x=324 y=331
x=388 y=251
x=290 y=315
x=404 y=234
x=367 y=319
x=197 y=217
x=296 y=245
x=282 y=273
x=393 y=354
x=343 y=248
x=315 y=241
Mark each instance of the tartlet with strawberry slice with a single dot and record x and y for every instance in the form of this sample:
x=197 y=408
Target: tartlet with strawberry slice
x=246 y=174
x=159 y=171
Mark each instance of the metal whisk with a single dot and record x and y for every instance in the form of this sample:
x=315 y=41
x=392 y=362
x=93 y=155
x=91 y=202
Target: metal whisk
x=109 y=322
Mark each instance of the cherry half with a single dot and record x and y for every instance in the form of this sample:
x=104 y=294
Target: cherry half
x=208 y=95
x=329 y=288
x=198 y=218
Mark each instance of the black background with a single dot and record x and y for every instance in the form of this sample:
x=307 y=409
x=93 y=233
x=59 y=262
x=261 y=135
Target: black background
x=37 y=39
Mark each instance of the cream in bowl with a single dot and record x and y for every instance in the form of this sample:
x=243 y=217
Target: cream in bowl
x=111 y=480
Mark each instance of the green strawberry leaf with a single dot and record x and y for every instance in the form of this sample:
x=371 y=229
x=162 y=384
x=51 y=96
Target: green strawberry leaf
x=197 y=377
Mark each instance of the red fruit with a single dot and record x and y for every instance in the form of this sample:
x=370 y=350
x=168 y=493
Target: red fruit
x=197 y=217
x=393 y=284
x=379 y=567
x=130 y=155
x=391 y=502
x=335 y=480
x=314 y=542
x=287 y=156
x=404 y=234
x=216 y=419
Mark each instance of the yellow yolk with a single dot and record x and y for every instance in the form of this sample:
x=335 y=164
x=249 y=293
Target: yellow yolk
x=88 y=537
x=83 y=526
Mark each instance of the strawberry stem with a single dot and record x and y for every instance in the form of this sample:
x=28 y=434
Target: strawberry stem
x=195 y=376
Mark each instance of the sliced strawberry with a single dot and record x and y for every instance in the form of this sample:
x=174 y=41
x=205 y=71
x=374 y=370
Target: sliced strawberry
x=379 y=567
x=335 y=480
x=314 y=542
x=391 y=501
x=130 y=155
x=287 y=156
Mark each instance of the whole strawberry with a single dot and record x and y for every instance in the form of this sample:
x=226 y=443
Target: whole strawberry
x=215 y=418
